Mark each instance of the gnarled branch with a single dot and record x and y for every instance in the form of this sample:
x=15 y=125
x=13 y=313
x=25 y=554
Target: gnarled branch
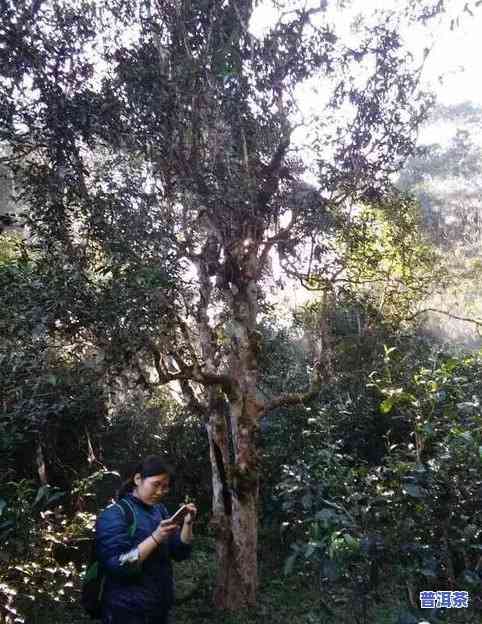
x=297 y=398
x=466 y=319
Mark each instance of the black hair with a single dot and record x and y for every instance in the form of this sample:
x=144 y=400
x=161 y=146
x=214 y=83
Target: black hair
x=151 y=466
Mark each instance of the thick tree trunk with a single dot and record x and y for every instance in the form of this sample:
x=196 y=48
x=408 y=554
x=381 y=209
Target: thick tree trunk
x=232 y=413
x=222 y=498
x=233 y=432
x=238 y=553
x=235 y=498
x=237 y=557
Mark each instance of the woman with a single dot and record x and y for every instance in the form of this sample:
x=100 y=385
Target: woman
x=139 y=586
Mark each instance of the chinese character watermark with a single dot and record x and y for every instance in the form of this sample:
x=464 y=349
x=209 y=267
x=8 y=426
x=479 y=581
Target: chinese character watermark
x=444 y=599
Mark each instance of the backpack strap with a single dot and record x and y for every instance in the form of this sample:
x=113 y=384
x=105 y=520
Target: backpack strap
x=129 y=514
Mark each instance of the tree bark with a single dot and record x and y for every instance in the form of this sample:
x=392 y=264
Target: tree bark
x=235 y=503
x=237 y=558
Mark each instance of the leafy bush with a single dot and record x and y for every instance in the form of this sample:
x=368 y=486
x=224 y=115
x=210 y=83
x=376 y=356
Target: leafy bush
x=415 y=516
x=31 y=525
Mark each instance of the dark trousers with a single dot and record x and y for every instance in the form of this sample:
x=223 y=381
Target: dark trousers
x=111 y=615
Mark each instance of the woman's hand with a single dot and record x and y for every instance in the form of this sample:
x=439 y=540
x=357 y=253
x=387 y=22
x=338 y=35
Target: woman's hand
x=186 y=531
x=163 y=531
x=190 y=517
x=159 y=536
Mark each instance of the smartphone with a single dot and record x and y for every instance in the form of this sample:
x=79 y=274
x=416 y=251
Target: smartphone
x=178 y=517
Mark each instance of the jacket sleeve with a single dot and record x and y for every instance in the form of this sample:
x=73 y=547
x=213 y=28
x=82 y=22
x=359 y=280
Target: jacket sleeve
x=113 y=545
x=178 y=550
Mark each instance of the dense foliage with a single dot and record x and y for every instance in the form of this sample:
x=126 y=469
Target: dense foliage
x=409 y=512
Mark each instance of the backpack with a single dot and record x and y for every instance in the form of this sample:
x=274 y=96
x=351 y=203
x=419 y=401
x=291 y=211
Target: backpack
x=94 y=578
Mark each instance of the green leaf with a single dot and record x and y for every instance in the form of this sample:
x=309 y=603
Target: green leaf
x=390 y=350
x=351 y=541
x=3 y=503
x=408 y=397
x=450 y=365
x=386 y=406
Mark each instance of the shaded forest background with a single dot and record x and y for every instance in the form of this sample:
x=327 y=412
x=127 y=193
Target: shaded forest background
x=370 y=484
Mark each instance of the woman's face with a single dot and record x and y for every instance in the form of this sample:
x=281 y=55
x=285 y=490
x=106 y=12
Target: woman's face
x=151 y=489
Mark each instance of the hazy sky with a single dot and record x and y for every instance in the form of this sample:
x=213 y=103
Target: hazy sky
x=452 y=70
x=455 y=55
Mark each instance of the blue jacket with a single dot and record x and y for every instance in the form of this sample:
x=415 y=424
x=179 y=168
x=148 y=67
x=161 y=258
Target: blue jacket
x=146 y=587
